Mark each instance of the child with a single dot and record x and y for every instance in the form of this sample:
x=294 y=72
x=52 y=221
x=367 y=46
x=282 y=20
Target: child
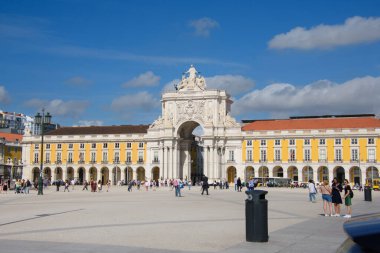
x=347 y=198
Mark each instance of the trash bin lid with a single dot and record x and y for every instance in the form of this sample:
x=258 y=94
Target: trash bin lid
x=256 y=194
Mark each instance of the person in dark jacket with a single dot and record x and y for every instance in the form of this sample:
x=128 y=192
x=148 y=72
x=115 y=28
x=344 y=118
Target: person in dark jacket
x=205 y=185
x=238 y=182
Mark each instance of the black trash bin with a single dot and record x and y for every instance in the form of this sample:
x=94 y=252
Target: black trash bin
x=256 y=216
x=367 y=193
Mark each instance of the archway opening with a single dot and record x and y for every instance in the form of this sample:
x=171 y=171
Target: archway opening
x=104 y=172
x=323 y=174
x=231 y=174
x=58 y=173
x=70 y=173
x=155 y=173
x=93 y=174
x=293 y=173
x=355 y=175
x=249 y=173
x=372 y=172
x=35 y=173
x=278 y=171
x=307 y=173
x=339 y=174
x=81 y=175
x=116 y=175
x=190 y=152
x=47 y=173
x=128 y=175
x=140 y=174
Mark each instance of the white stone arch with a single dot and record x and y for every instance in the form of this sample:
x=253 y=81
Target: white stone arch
x=249 y=172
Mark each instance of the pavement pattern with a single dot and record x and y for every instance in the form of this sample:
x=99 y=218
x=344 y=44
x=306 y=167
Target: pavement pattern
x=157 y=221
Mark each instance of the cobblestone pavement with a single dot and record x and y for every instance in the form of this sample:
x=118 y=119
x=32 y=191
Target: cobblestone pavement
x=157 y=221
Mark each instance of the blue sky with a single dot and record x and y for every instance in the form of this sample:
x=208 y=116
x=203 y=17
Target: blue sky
x=107 y=62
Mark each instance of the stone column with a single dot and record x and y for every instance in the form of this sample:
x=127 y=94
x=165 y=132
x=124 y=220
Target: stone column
x=161 y=157
x=205 y=161
x=331 y=173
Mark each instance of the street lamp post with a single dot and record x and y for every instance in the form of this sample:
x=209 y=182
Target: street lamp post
x=41 y=121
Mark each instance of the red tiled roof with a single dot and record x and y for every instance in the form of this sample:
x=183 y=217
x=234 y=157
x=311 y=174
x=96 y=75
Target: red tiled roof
x=313 y=123
x=11 y=137
x=125 y=129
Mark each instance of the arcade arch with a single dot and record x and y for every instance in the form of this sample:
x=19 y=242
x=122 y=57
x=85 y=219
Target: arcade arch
x=323 y=174
x=263 y=171
x=155 y=173
x=128 y=174
x=307 y=173
x=372 y=172
x=339 y=173
x=116 y=175
x=231 y=174
x=35 y=174
x=355 y=175
x=58 y=173
x=93 y=174
x=70 y=173
x=81 y=175
x=140 y=174
x=293 y=173
x=278 y=171
x=104 y=173
x=249 y=172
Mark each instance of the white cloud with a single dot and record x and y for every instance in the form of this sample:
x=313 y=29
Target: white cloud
x=359 y=95
x=146 y=79
x=58 y=107
x=77 y=81
x=203 y=26
x=132 y=102
x=89 y=123
x=233 y=84
x=4 y=96
x=355 y=30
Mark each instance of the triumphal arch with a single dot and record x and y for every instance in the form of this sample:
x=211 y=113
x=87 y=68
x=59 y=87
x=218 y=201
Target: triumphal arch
x=183 y=152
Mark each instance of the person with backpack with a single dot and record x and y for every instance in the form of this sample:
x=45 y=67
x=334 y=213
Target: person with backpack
x=312 y=191
x=348 y=195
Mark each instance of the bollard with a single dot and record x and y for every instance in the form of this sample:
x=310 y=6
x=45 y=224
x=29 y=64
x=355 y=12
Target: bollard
x=256 y=216
x=367 y=193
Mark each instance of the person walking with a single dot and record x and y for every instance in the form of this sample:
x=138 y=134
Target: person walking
x=326 y=191
x=99 y=186
x=336 y=198
x=66 y=186
x=348 y=194
x=235 y=183
x=312 y=191
x=238 y=183
x=130 y=185
x=85 y=184
x=205 y=185
x=108 y=185
x=93 y=185
x=176 y=187
x=27 y=186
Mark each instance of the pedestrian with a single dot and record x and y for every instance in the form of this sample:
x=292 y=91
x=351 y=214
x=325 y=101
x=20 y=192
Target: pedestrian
x=108 y=185
x=336 y=198
x=99 y=186
x=28 y=184
x=73 y=182
x=93 y=185
x=85 y=184
x=147 y=184
x=5 y=187
x=205 y=185
x=251 y=184
x=57 y=184
x=66 y=186
x=189 y=184
x=238 y=183
x=312 y=191
x=235 y=183
x=130 y=185
x=348 y=194
x=176 y=187
x=326 y=191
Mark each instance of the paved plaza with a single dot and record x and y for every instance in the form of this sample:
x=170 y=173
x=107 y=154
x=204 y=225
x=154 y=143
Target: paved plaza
x=157 y=221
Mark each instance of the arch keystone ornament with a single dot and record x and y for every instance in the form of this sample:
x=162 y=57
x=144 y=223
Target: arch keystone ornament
x=183 y=154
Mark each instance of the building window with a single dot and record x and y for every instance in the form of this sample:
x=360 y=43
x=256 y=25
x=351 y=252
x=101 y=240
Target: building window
x=117 y=158
x=338 y=154
x=141 y=144
x=47 y=157
x=263 y=155
x=105 y=156
x=231 y=155
x=70 y=157
x=249 y=143
x=59 y=157
x=307 y=142
x=322 y=154
x=263 y=142
x=59 y=146
x=292 y=142
x=36 y=157
x=155 y=156
x=93 y=145
x=105 y=145
x=354 y=141
x=81 y=145
x=354 y=154
x=277 y=142
x=371 y=155
x=249 y=155
x=322 y=141
x=371 y=140
x=93 y=157
x=129 y=145
x=36 y=146
x=129 y=157
x=307 y=154
x=117 y=145
x=81 y=156
x=292 y=154
x=277 y=155
x=47 y=146
x=141 y=156
x=338 y=141
x=71 y=146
